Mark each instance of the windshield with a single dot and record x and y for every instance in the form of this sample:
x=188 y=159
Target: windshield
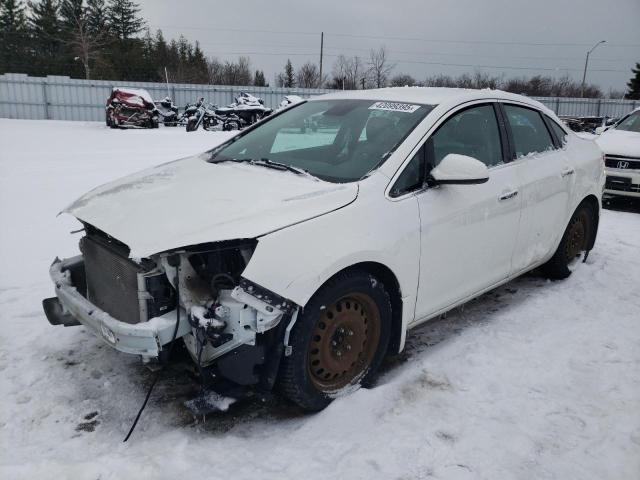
x=335 y=140
x=631 y=123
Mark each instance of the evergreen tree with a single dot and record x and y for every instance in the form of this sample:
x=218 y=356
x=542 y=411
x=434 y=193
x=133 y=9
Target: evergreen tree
x=72 y=30
x=126 y=50
x=289 y=76
x=97 y=24
x=123 y=19
x=259 y=79
x=634 y=84
x=71 y=12
x=13 y=32
x=44 y=25
x=199 y=65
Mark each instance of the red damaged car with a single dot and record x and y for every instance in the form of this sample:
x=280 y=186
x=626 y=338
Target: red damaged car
x=129 y=107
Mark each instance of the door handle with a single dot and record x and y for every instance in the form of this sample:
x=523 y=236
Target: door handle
x=567 y=172
x=508 y=195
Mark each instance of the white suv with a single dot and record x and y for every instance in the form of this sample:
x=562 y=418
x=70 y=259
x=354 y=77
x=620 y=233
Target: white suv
x=300 y=257
x=621 y=147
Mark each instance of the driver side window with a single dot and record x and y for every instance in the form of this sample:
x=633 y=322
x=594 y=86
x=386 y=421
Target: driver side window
x=473 y=132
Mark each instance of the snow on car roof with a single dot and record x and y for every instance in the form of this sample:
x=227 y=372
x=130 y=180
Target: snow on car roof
x=136 y=91
x=429 y=95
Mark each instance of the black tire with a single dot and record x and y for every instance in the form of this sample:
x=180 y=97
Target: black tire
x=107 y=119
x=351 y=308
x=577 y=238
x=192 y=125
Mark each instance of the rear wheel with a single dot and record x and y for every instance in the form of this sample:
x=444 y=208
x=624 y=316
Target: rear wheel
x=576 y=240
x=338 y=341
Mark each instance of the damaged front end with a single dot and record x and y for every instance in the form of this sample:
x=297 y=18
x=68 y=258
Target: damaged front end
x=230 y=327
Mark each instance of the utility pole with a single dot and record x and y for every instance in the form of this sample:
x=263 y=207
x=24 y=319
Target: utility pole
x=586 y=63
x=166 y=77
x=321 y=52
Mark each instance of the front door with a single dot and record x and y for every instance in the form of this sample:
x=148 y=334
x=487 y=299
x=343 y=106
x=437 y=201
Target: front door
x=468 y=232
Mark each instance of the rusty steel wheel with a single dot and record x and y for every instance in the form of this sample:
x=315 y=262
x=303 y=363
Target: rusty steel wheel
x=339 y=340
x=578 y=237
x=344 y=342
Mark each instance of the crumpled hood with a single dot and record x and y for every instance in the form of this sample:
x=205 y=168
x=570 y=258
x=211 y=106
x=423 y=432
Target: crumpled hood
x=620 y=142
x=190 y=201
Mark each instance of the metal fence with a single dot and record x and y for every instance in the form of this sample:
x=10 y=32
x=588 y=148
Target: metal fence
x=585 y=107
x=63 y=98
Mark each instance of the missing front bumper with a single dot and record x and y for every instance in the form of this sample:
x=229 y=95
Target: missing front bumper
x=146 y=339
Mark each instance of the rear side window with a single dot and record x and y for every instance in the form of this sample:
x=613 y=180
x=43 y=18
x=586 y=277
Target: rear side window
x=557 y=130
x=530 y=134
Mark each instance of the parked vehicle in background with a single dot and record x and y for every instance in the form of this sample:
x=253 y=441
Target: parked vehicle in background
x=621 y=147
x=129 y=107
x=168 y=112
x=200 y=113
x=589 y=124
x=290 y=100
x=300 y=257
x=245 y=111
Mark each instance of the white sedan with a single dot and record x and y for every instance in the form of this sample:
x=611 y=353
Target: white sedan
x=621 y=146
x=300 y=257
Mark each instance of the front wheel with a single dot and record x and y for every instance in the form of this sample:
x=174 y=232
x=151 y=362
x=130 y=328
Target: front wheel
x=192 y=125
x=576 y=240
x=338 y=342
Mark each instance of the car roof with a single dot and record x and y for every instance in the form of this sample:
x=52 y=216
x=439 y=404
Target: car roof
x=430 y=95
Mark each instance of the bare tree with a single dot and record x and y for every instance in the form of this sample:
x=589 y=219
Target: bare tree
x=403 y=80
x=308 y=76
x=230 y=73
x=85 y=43
x=379 y=67
x=347 y=73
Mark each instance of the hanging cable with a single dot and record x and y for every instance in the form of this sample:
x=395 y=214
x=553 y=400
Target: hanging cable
x=157 y=375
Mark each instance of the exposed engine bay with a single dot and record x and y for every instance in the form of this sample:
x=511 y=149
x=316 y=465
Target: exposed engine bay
x=199 y=289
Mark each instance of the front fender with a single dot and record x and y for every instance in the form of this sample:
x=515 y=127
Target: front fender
x=296 y=261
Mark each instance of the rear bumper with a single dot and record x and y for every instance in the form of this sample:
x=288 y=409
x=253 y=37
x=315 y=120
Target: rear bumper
x=146 y=338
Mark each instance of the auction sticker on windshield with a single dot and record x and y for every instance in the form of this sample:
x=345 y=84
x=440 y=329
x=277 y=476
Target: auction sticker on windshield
x=394 y=107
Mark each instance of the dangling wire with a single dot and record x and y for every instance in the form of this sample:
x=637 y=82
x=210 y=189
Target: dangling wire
x=157 y=375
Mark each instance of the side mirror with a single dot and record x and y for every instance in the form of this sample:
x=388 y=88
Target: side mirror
x=601 y=130
x=457 y=169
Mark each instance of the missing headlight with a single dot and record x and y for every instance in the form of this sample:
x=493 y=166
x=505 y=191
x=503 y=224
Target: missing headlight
x=220 y=265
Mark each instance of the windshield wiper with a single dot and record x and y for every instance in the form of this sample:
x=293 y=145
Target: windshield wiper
x=264 y=162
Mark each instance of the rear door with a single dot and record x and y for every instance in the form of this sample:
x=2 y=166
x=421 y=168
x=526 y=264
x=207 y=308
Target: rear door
x=546 y=183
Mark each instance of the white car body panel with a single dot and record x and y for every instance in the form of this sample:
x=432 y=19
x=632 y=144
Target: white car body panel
x=213 y=202
x=444 y=245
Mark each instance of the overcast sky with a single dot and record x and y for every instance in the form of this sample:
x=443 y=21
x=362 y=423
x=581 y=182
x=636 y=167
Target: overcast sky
x=502 y=37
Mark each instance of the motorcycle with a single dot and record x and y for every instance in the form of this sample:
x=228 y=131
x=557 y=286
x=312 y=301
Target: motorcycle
x=168 y=112
x=128 y=107
x=245 y=111
x=198 y=114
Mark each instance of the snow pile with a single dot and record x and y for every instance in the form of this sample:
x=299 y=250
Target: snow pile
x=534 y=380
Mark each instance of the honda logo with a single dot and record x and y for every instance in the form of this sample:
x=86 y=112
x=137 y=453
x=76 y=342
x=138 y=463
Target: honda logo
x=623 y=164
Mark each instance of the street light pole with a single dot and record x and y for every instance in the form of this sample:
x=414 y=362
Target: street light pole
x=586 y=63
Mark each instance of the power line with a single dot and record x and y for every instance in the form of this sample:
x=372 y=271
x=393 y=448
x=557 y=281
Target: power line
x=405 y=52
x=387 y=37
x=501 y=67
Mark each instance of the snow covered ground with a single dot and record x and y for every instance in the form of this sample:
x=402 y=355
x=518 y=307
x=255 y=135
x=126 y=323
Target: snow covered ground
x=536 y=380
